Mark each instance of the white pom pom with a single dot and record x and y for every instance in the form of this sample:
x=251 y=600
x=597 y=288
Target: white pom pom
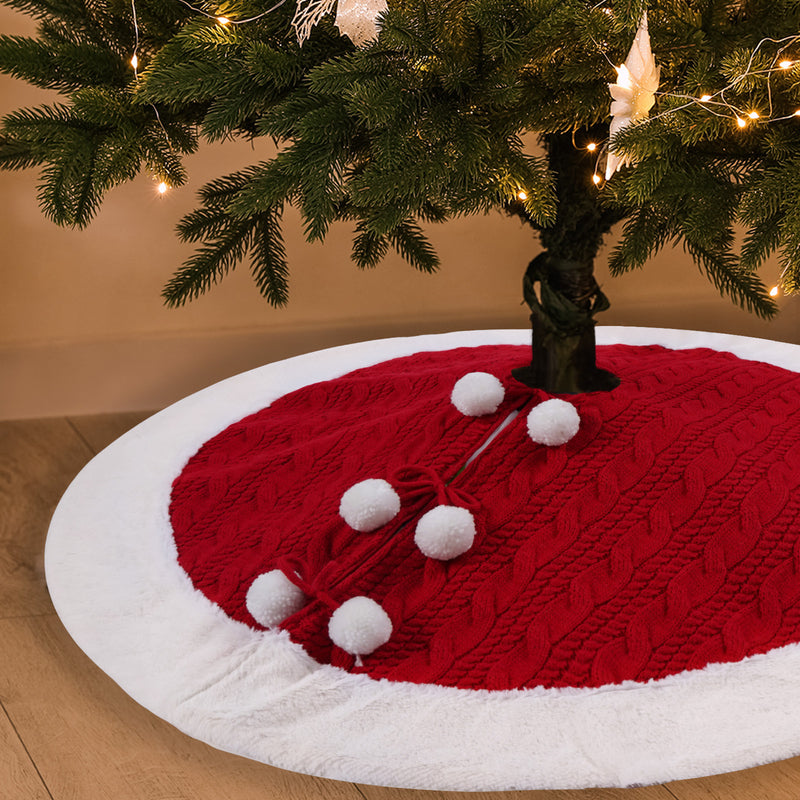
x=477 y=394
x=272 y=598
x=359 y=626
x=553 y=422
x=445 y=532
x=369 y=504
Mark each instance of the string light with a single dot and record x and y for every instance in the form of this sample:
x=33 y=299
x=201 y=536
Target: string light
x=162 y=187
x=220 y=20
x=228 y=20
x=774 y=291
x=706 y=99
x=134 y=57
x=777 y=65
x=718 y=105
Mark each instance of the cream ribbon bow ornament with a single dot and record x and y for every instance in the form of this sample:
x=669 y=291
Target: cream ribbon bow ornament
x=634 y=92
x=357 y=19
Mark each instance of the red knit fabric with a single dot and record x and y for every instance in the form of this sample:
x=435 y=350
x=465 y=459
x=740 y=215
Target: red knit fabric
x=664 y=536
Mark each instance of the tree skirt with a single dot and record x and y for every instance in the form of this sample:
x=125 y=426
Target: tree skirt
x=388 y=563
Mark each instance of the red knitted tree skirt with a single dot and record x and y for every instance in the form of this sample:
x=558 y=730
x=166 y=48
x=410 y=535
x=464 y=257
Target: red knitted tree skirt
x=664 y=536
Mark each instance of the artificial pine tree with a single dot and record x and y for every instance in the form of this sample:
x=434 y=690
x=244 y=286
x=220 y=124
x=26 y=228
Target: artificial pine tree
x=424 y=123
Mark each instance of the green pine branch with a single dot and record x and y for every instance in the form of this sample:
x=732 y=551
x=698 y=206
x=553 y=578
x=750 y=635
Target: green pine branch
x=369 y=249
x=420 y=126
x=69 y=67
x=268 y=258
x=725 y=272
x=220 y=252
x=411 y=243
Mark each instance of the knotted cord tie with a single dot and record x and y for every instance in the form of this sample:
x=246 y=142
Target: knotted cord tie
x=315 y=588
x=417 y=483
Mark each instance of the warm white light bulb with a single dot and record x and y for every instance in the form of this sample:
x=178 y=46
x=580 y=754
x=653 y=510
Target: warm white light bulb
x=591 y=147
x=595 y=179
x=785 y=64
x=705 y=98
x=521 y=195
x=162 y=187
x=134 y=61
x=740 y=122
x=753 y=115
x=223 y=21
x=774 y=291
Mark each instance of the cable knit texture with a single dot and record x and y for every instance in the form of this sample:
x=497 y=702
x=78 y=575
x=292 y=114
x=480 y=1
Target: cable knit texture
x=664 y=536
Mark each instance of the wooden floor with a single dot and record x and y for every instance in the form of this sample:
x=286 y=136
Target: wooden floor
x=68 y=732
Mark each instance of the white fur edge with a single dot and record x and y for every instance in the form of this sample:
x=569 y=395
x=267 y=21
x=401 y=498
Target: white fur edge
x=115 y=583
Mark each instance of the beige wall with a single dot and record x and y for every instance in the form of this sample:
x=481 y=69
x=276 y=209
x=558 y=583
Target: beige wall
x=83 y=330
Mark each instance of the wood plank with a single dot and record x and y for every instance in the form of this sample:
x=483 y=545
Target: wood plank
x=18 y=777
x=100 y=430
x=638 y=793
x=38 y=459
x=89 y=739
x=778 y=781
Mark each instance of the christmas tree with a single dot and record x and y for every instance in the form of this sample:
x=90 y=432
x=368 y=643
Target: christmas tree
x=394 y=118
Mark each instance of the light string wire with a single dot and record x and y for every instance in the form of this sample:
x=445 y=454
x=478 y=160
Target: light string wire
x=708 y=102
x=135 y=56
x=228 y=20
x=163 y=186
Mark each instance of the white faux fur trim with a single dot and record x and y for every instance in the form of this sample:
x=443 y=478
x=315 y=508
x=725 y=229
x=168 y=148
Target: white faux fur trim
x=116 y=584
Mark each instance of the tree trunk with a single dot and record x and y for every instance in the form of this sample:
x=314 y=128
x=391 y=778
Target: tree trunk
x=563 y=296
x=559 y=284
